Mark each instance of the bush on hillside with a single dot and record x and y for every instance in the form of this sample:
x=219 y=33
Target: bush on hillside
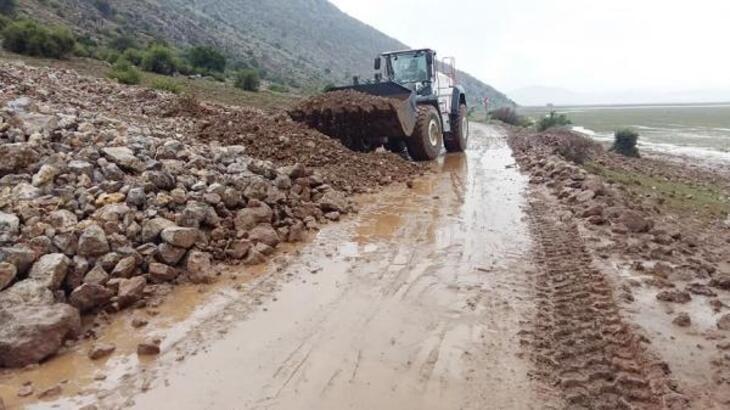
x=576 y=148
x=133 y=55
x=625 y=143
x=508 y=115
x=553 y=120
x=248 y=80
x=104 y=7
x=4 y=22
x=278 y=88
x=123 y=42
x=26 y=37
x=166 y=84
x=160 y=59
x=206 y=59
x=7 y=7
x=124 y=72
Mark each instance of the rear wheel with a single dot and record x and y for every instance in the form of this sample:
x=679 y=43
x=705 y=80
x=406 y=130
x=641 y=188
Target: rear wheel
x=425 y=143
x=459 y=137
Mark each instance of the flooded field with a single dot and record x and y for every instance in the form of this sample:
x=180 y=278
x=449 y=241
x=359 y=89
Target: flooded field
x=694 y=130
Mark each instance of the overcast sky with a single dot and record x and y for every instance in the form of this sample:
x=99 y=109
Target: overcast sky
x=582 y=45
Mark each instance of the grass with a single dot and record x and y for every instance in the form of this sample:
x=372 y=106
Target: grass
x=208 y=90
x=709 y=200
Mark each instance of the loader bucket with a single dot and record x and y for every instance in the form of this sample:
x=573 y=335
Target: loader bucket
x=364 y=111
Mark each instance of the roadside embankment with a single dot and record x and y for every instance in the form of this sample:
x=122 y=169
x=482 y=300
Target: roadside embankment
x=653 y=237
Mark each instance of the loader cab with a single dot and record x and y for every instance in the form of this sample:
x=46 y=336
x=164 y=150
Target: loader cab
x=413 y=69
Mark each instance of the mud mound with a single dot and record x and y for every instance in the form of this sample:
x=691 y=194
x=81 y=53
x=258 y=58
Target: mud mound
x=284 y=142
x=344 y=100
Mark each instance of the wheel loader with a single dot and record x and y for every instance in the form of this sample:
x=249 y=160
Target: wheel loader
x=412 y=105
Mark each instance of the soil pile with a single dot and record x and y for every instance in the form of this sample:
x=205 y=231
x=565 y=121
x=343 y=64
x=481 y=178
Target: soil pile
x=284 y=142
x=343 y=100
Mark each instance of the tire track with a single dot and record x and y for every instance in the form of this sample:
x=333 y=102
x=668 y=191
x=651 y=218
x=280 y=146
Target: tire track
x=580 y=343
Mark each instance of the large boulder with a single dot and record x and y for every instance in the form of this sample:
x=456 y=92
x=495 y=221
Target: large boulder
x=124 y=158
x=634 y=222
x=198 y=265
x=131 y=290
x=21 y=256
x=51 y=270
x=26 y=292
x=256 y=213
x=333 y=201
x=159 y=272
x=264 y=234
x=180 y=237
x=30 y=334
x=152 y=228
x=89 y=296
x=93 y=241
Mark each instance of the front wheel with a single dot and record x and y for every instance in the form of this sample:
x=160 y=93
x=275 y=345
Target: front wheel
x=425 y=143
x=459 y=137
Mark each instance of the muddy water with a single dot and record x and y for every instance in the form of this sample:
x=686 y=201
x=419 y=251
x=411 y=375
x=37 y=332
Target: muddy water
x=414 y=304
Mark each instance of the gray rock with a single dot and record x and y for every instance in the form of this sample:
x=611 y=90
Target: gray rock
x=81 y=167
x=131 y=290
x=63 y=220
x=333 y=201
x=124 y=158
x=33 y=123
x=159 y=272
x=21 y=256
x=8 y=271
x=169 y=254
x=45 y=175
x=160 y=179
x=254 y=258
x=93 y=242
x=51 y=270
x=9 y=227
x=634 y=222
x=198 y=265
x=180 y=237
x=25 y=191
x=96 y=276
x=248 y=218
x=125 y=267
x=264 y=234
x=238 y=249
x=152 y=228
x=89 y=296
x=136 y=197
x=16 y=158
x=26 y=292
x=30 y=334
x=100 y=351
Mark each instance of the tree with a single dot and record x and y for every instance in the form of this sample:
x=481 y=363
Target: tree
x=207 y=59
x=160 y=59
x=248 y=80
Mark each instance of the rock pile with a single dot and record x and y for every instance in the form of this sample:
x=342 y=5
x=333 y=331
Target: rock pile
x=101 y=197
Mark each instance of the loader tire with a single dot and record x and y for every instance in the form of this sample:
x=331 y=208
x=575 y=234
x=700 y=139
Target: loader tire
x=425 y=143
x=459 y=137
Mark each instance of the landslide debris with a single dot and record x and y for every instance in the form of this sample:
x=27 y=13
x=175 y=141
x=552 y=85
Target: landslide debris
x=108 y=193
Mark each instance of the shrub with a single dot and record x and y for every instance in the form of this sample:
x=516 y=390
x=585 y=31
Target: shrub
x=575 y=147
x=328 y=87
x=104 y=8
x=166 y=84
x=26 y=37
x=7 y=7
x=123 y=42
x=160 y=59
x=207 y=59
x=4 y=22
x=278 y=88
x=248 y=80
x=508 y=115
x=133 y=55
x=124 y=72
x=553 y=120
x=625 y=143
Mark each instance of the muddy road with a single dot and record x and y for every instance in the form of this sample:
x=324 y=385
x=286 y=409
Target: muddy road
x=415 y=304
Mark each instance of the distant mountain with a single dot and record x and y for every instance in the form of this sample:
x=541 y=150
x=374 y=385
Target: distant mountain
x=304 y=43
x=541 y=96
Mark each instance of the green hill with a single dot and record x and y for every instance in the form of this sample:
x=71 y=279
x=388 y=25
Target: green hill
x=302 y=43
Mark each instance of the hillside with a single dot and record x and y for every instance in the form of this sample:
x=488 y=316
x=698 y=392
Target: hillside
x=302 y=43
